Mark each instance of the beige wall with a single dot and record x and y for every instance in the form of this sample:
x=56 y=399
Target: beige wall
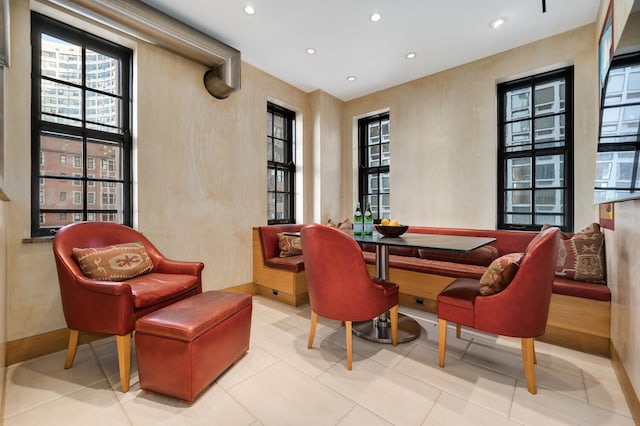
x=327 y=157
x=623 y=270
x=444 y=135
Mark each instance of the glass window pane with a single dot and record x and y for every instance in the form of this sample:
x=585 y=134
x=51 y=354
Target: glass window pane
x=385 y=184
x=271 y=206
x=373 y=156
x=385 y=155
x=550 y=170
x=384 y=131
x=518 y=173
x=518 y=104
x=269 y=149
x=553 y=220
x=279 y=128
x=279 y=154
x=269 y=124
x=103 y=72
x=60 y=99
x=61 y=59
x=103 y=109
x=107 y=157
x=271 y=179
x=518 y=201
x=550 y=97
x=549 y=131
x=373 y=135
x=517 y=136
x=550 y=200
x=55 y=150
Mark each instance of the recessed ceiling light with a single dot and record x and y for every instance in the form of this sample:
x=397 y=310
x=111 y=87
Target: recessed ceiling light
x=496 y=23
x=351 y=78
x=411 y=55
x=375 y=17
x=249 y=10
x=310 y=51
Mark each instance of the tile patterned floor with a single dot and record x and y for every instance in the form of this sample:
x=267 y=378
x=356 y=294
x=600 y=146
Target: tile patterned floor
x=281 y=382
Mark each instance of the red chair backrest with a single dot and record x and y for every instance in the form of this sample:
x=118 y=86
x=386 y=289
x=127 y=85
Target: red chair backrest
x=521 y=310
x=338 y=282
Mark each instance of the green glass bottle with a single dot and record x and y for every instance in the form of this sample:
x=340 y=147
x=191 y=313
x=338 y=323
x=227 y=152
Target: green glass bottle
x=357 y=221
x=368 y=221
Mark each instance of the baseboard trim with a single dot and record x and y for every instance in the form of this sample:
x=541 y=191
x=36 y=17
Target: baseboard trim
x=44 y=344
x=627 y=387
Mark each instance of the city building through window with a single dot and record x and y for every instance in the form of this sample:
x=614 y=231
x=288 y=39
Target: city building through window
x=617 y=165
x=281 y=166
x=535 y=152
x=373 y=168
x=80 y=115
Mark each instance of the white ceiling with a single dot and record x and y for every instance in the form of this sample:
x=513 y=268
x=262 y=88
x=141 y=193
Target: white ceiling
x=443 y=34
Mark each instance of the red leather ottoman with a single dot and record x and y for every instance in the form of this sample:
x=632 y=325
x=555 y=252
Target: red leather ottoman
x=182 y=348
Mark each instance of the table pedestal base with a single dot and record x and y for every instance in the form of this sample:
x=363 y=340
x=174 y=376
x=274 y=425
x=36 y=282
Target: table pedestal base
x=379 y=330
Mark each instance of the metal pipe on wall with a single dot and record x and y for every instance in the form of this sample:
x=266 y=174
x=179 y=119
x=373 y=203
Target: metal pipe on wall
x=149 y=24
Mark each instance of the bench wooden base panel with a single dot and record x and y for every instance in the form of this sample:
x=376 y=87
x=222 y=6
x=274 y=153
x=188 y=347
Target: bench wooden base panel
x=281 y=296
x=576 y=340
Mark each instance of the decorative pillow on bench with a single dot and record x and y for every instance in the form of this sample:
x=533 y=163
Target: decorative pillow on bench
x=581 y=257
x=118 y=262
x=499 y=274
x=289 y=245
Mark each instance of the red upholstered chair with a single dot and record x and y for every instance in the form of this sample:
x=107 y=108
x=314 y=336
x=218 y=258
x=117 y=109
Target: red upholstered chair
x=339 y=284
x=520 y=310
x=113 y=307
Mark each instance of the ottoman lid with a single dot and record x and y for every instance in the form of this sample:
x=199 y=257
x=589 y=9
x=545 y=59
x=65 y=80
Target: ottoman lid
x=189 y=318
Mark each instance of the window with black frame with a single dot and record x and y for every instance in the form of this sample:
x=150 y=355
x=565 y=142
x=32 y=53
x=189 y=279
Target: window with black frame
x=617 y=165
x=374 y=161
x=80 y=126
x=535 y=151
x=281 y=166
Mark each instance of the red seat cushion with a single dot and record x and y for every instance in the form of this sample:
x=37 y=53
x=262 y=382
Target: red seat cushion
x=189 y=318
x=292 y=263
x=455 y=302
x=154 y=288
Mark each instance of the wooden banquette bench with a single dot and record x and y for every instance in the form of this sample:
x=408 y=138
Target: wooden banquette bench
x=579 y=315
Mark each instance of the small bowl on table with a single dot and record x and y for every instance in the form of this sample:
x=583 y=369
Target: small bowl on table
x=391 y=231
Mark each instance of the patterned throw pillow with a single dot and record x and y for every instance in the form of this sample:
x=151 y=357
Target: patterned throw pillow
x=500 y=273
x=113 y=263
x=289 y=245
x=581 y=257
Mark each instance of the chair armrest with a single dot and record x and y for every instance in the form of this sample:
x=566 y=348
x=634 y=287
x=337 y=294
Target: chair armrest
x=168 y=266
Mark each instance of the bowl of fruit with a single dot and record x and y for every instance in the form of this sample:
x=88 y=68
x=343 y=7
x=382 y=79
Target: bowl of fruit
x=391 y=228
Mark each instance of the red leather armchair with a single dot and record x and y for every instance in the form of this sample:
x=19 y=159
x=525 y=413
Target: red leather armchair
x=113 y=307
x=520 y=310
x=339 y=284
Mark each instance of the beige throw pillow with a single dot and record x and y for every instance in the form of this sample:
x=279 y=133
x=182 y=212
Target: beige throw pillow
x=113 y=263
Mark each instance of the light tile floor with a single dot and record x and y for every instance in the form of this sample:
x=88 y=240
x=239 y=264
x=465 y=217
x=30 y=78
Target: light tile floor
x=281 y=382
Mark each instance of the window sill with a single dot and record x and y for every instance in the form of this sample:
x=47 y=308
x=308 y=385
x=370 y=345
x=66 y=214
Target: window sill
x=37 y=240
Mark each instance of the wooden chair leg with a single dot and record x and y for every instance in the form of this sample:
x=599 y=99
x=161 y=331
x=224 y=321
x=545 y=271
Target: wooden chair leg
x=73 y=346
x=312 y=329
x=528 y=356
x=458 y=328
x=442 y=339
x=349 y=345
x=394 y=325
x=535 y=358
x=124 y=360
